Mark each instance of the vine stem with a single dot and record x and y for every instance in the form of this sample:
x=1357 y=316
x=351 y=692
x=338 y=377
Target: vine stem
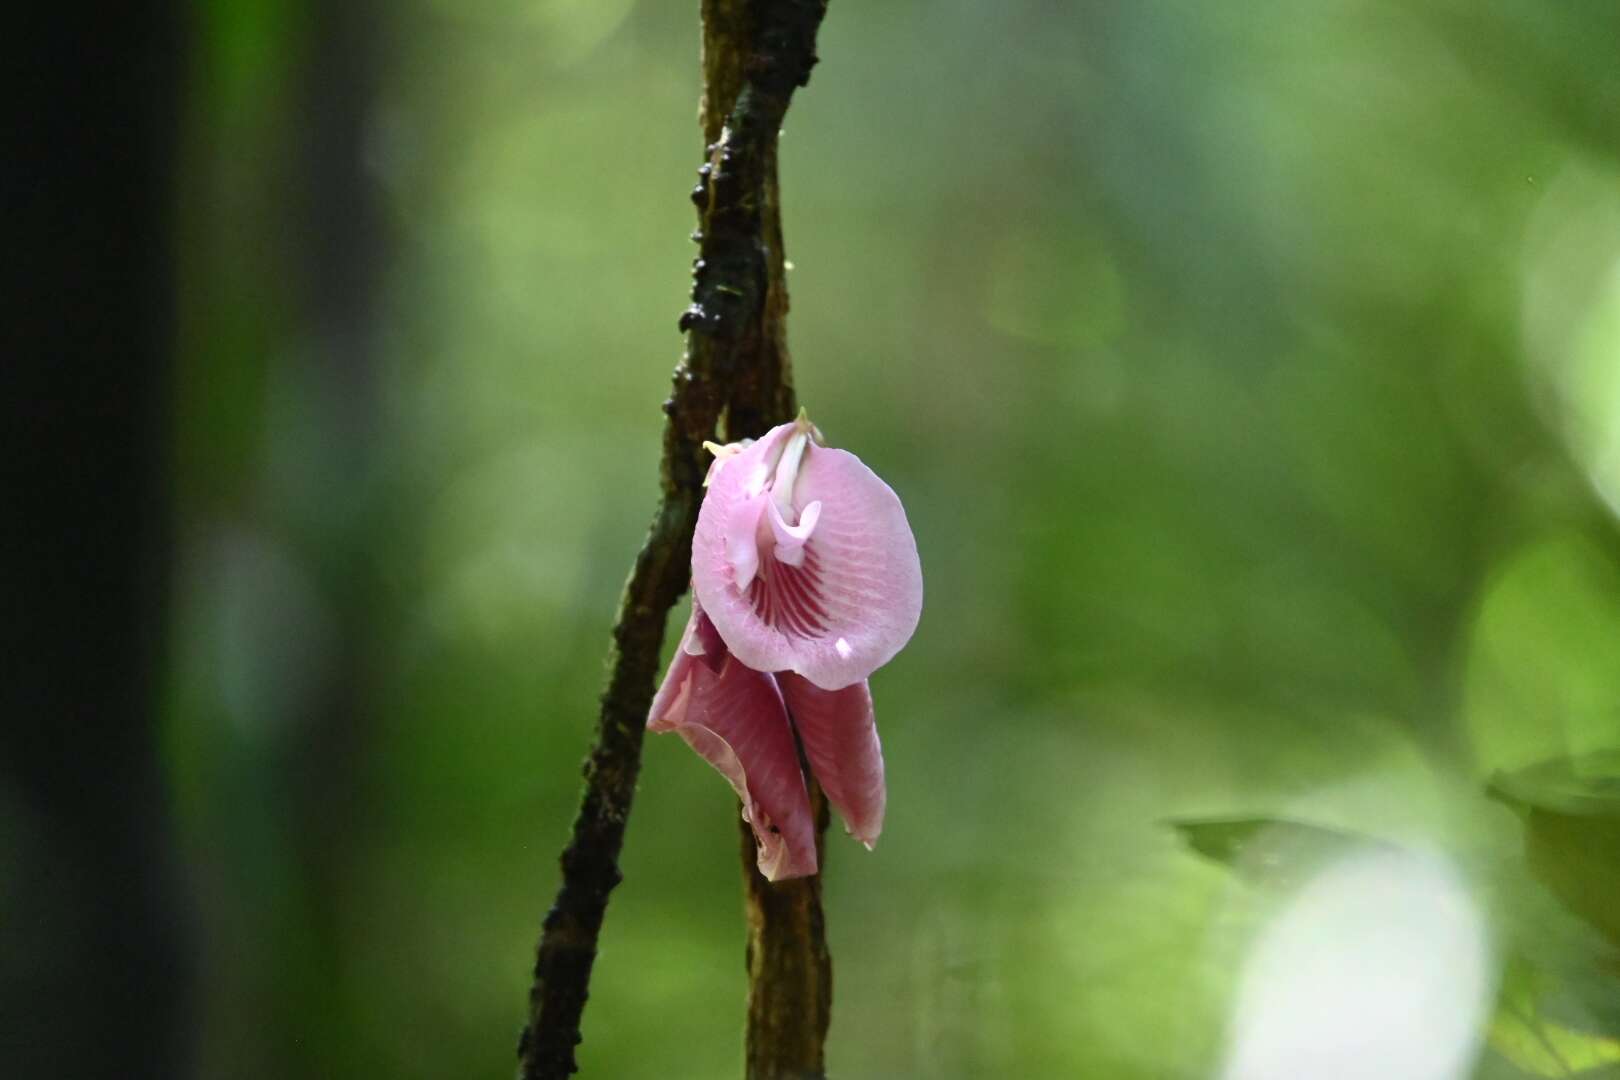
x=756 y=53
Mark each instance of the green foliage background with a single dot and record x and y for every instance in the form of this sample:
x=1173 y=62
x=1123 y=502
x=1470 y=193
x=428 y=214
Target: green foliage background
x=1251 y=376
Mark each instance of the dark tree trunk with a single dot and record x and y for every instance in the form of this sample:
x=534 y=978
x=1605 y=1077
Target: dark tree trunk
x=92 y=919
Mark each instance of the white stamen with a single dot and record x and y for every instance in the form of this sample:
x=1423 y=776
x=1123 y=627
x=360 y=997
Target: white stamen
x=744 y=558
x=756 y=480
x=787 y=471
x=790 y=539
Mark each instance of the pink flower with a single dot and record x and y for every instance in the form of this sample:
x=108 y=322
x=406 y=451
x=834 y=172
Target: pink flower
x=733 y=716
x=803 y=559
x=805 y=580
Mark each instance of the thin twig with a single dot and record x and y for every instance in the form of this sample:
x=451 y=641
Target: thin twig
x=756 y=53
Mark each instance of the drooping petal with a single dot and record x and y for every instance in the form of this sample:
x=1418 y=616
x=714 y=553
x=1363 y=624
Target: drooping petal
x=841 y=741
x=669 y=704
x=839 y=605
x=702 y=639
x=734 y=718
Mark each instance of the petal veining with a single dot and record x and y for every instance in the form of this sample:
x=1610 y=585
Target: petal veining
x=787 y=600
x=840 y=739
x=735 y=719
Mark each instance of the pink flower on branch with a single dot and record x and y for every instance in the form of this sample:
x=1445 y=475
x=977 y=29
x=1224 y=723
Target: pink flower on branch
x=805 y=580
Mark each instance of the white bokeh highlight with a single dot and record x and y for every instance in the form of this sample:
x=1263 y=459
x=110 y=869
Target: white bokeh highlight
x=1379 y=968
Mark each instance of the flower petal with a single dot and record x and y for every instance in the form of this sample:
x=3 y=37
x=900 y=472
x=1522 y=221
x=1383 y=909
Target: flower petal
x=790 y=539
x=674 y=696
x=742 y=539
x=855 y=594
x=702 y=639
x=734 y=718
x=840 y=738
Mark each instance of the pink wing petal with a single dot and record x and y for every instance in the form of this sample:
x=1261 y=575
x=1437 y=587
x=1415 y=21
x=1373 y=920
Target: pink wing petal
x=670 y=704
x=734 y=718
x=700 y=645
x=855 y=594
x=841 y=740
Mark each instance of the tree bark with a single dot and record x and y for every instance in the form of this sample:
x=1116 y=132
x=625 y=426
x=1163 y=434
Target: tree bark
x=756 y=53
x=789 y=967
x=96 y=936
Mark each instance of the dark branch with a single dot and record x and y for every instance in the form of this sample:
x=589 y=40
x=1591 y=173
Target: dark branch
x=736 y=358
x=755 y=52
x=789 y=967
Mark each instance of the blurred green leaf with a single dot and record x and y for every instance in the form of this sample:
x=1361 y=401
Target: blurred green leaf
x=1539 y=1046
x=1272 y=852
x=1571 y=812
x=1586 y=785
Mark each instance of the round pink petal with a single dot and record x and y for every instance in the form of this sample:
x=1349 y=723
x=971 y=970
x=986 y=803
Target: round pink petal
x=855 y=596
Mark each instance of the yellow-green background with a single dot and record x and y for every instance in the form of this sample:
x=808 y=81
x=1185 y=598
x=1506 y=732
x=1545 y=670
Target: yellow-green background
x=1250 y=373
